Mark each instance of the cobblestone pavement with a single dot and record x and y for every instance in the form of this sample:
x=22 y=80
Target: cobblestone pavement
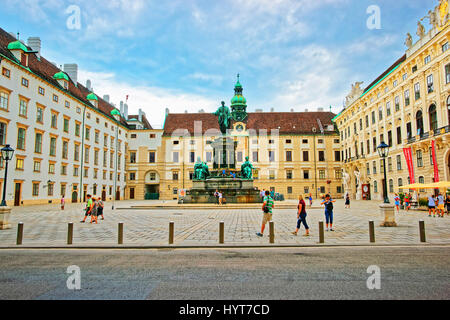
x=47 y=226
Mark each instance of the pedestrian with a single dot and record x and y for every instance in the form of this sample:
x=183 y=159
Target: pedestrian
x=440 y=204
x=431 y=205
x=63 y=202
x=100 y=208
x=397 y=202
x=310 y=200
x=301 y=217
x=220 y=198
x=216 y=194
x=267 y=212
x=347 y=201
x=94 y=211
x=272 y=194
x=447 y=203
x=88 y=209
x=328 y=202
x=263 y=194
x=407 y=200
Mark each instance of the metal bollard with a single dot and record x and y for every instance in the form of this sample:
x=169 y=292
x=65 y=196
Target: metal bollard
x=371 y=231
x=19 y=233
x=422 y=231
x=171 y=231
x=222 y=232
x=70 y=233
x=321 y=233
x=271 y=232
x=120 y=234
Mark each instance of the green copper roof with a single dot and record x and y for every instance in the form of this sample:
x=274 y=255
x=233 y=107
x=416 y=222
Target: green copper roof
x=115 y=112
x=92 y=96
x=238 y=99
x=17 y=45
x=61 y=76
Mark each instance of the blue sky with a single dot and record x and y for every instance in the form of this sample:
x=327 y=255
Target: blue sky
x=184 y=55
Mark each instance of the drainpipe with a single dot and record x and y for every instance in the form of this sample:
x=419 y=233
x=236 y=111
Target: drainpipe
x=82 y=157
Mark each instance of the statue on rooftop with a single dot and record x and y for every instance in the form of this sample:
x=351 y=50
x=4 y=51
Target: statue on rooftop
x=420 y=30
x=409 y=40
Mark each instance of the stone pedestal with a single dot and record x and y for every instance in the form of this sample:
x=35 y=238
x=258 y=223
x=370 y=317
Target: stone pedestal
x=4 y=218
x=387 y=210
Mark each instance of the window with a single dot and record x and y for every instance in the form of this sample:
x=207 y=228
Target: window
x=152 y=157
x=414 y=69
x=374 y=120
x=271 y=174
x=419 y=123
x=105 y=158
x=96 y=156
x=67 y=104
x=306 y=174
x=51 y=168
x=419 y=158
x=271 y=156
x=306 y=156
x=306 y=190
x=6 y=72
x=192 y=157
x=417 y=91
x=289 y=190
x=132 y=157
x=23 y=106
x=368 y=168
x=399 y=135
x=391 y=186
x=288 y=156
x=132 y=176
x=321 y=174
x=380 y=113
x=399 y=162
x=321 y=156
x=255 y=156
x=447 y=74
x=289 y=174
x=337 y=156
x=209 y=156
x=397 y=103
x=21 y=138
x=430 y=85
x=35 y=189
x=374 y=144
x=19 y=164
x=76 y=152
x=390 y=138
x=427 y=59
x=175 y=157
x=405 y=76
x=388 y=108
x=374 y=167
x=445 y=47
x=390 y=164
x=55 y=98
x=367 y=120
x=375 y=187
x=25 y=82
x=66 y=125
x=433 y=117
x=41 y=91
x=407 y=99
x=338 y=174
x=50 y=189
x=97 y=136
x=65 y=149
x=52 y=146
x=40 y=115
x=54 y=123
x=37 y=166
x=288 y=141
x=175 y=175
x=38 y=143
x=87 y=133
x=4 y=100
x=86 y=154
x=239 y=156
x=77 y=129
x=305 y=141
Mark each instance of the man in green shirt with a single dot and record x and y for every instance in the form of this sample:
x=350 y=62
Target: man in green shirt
x=89 y=206
x=267 y=207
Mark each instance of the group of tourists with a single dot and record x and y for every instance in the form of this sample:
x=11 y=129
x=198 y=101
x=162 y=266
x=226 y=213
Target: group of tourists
x=94 y=209
x=219 y=197
x=268 y=205
x=437 y=204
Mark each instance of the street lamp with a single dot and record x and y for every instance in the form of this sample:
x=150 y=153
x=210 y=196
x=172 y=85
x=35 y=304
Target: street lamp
x=116 y=114
x=7 y=154
x=383 y=151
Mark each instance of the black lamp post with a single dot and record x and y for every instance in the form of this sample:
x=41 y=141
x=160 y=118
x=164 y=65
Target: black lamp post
x=383 y=151
x=7 y=154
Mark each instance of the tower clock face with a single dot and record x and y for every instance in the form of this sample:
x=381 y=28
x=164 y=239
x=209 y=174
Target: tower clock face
x=239 y=128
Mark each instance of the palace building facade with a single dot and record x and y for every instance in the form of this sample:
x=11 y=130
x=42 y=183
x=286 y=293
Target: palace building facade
x=408 y=108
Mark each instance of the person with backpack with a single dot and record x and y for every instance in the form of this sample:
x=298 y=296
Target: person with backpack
x=267 y=210
x=328 y=202
x=100 y=207
x=301 y=217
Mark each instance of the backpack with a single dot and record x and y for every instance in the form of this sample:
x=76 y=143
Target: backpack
x=329 y=205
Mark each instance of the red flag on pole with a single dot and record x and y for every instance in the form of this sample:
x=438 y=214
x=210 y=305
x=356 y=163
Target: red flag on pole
x=436 y=170
x=409 y=163
x=126 y=100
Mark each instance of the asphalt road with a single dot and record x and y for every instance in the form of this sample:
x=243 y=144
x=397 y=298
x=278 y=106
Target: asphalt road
x=303 y=273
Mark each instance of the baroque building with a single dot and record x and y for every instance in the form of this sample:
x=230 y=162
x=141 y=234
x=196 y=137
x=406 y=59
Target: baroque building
x=407 y=107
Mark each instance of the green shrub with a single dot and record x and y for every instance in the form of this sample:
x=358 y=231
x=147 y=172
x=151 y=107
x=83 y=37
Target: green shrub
x=423 y=202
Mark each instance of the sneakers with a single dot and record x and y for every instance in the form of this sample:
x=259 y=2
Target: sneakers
x=82 y=221
x=306 y=235
x=331 y=230
x=259 y=234
x=294 y=233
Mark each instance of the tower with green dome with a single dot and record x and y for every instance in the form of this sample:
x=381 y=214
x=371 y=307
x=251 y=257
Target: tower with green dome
x=238 y=103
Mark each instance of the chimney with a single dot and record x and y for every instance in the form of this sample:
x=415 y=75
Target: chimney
x=272 y=109
x=167 y=111
x=306 y=110
x=292 y=110
x=35 y=44
x=201 y=111
x=72 y=70
x=106 y=98
x=320 y=109
x=125 y=111
x=121 y=108
x=259 y=110
x=89 y=85
x=140 y=115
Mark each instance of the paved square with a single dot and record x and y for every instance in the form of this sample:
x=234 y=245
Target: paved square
x=47 y=226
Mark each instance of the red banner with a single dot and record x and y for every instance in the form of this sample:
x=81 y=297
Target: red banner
x=409 y=163
x=436 y=170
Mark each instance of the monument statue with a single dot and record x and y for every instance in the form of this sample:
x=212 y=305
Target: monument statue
x=201 y=171
x=409 y=41
x=224 y=117
x=206 y=170
x=247 y=169
x=354 y=94
x=433 y=17
x=420 y=30
x=440 y=16
x=358 y=185
x=346 y=181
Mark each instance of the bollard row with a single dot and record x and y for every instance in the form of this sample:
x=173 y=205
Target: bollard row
x=120 y=235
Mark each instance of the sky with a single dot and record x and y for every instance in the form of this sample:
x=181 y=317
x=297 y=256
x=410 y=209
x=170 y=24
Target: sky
x=185 y=54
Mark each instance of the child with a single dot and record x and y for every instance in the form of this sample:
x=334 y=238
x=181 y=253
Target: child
x=407 y=202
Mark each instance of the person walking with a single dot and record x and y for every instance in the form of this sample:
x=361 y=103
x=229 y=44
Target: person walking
x=63 y=202
x=440 y=205
x=328 y=202
x=267 y=208
x=94 y=211
x=347 y=201
x=216 y=194
x=263 y=194
x=310 y=200
x=220 y=198
x=100 y=207
x=447 y=204
x=88 y=209
x=397 y=202
x=272 y=194
x=407 y=200
x=431 y=205
x=301 y=217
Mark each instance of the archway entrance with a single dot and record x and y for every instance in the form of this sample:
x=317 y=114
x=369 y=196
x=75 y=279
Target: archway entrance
x=151 y=185
x=74 y=197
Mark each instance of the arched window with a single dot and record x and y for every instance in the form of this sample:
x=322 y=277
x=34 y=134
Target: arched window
x=391 y=186
x=419 y=123
x=421 y=180
x=400 y=182
x=433 y=117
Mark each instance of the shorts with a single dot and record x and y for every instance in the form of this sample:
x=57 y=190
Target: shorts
x=397 y=203
x=267 y=218
x=441 y=207
x=431 y=207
